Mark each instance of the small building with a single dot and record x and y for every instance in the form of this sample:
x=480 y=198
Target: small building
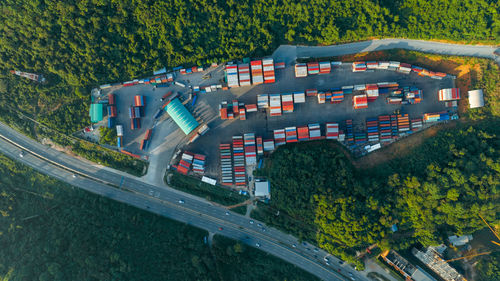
x=262 y=189
x=181 y=116
x=476 y=98
x=96 y=112
x=408 y=270
x=460 y=240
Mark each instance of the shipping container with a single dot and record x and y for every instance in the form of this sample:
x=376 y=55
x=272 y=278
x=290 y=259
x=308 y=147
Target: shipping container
x=299 y=97
x=275 y=104
x=268 y=67
x=147 y=136
x=119 y=142
x=359 y=101
x=137 y=112
x=300 y=70
x=312 y=68
x=244 y=74
x=449 y=94
x=263 y=101
x=232 y=75
x=332 y=131
x=111 y=122
x=257 y=73
x=139 y=100
x=119 y=130
x=325 y=67
x=111 y=99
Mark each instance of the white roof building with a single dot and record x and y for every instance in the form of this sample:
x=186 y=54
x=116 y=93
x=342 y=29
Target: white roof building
x=262 y=189
x=476 y=98
x=460 y=240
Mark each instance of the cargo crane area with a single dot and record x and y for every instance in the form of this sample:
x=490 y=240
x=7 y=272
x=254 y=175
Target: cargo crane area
x=31 y=76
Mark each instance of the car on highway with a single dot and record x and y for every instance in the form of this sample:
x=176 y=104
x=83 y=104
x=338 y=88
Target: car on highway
x=294 y=245
x=327 y=263
x=259 y=225
x=251 y=221
x=227 y=213
x=73 y=175
x=326 y=259
x=341 y=262
x=181 y=201
x=257 y=245
x=264 y=229
x=316 y=250
x=220 y=228
x=21 y=154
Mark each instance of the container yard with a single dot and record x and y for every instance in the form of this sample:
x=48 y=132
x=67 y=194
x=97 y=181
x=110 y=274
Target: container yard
x=253 y=107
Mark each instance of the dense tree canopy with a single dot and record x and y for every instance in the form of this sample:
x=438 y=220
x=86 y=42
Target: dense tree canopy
x=438 y=189
x=51 y=231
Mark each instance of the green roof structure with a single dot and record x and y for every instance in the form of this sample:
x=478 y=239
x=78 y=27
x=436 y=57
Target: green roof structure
x=181 y=116
x=96 y=112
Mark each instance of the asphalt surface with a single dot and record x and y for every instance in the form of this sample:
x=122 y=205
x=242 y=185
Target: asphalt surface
x=288 y=53
x=165 y=202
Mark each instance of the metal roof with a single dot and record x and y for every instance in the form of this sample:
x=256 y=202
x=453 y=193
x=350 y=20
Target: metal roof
x=262 y=188
x=181 y=116
x=476 y=98
x=96 y=112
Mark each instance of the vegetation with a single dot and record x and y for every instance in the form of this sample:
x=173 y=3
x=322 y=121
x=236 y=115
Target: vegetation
x=107 y=136
x=488 y=268
x=96 y=153
x=437 y=189
x=211 y=193
x=262 y=267
x=50 y=231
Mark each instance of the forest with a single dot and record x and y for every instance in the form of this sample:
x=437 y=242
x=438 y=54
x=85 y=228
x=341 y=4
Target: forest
x=437 y=190
x=51 y=231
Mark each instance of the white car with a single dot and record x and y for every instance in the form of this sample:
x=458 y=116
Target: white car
x=181 y=201
x=257 y=245
x=74 y=176
x=21 y=154
x=251 y=222
x=227 y=213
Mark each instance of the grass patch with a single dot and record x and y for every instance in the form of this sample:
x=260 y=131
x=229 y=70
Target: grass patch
x=212 y=193
x=240 y=210
x=377 y=276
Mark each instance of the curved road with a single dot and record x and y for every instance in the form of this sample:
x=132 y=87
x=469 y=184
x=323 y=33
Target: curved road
x=194 y=211
x=289 y=53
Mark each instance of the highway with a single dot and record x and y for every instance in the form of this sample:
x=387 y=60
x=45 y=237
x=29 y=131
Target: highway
x=289 y=53
x=194 y=211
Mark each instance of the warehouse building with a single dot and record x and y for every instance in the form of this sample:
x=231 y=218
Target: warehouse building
x=476 y=98
x=181 y=116
x=96 y=112
x=262 y=189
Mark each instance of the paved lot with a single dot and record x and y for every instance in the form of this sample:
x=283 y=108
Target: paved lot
x=262 y=124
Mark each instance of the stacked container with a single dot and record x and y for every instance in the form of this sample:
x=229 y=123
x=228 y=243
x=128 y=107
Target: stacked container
x=371 y=65
x=449 y=94
x=250 y=150
x=358 y=66
x=413 y=95
x=394 y=100
x=383 y=64
x=321 y=97
x=332 y=131
x=328 y=96
x=416 y=124
x=287 y=103
x=235 y=106
x=239 y=161
x=257 y=74
x=260 y=149
x=311 y=92
x=404 y=68
x=314 y=131
x=111 y=99
x=299 y=97
x=268 y=66
x=434 y=117
x=263 y=101
x=268 y=145
x=244 y=74
x=394 y=126
x=325 y=67
x=312 y=68
x=135 y=123
x=232 y=75
x=359 y=101
x=185 y=163
x=223 y=111
x=111 y=111
x=279 y=65
x=291 y=134
x=337 y=96
x=243 y=114
x=226 y=164
x=360 y=138
x=303 y=133
x=275 y=104
x=279 y=137
x=251 y=107
x=300 y=70
x=372 y=129
x=385 y=128
x=349 y=132
x=199 y=164
x=139 y=100
x=403 y=123
x=393 y=65
x=371 y=92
